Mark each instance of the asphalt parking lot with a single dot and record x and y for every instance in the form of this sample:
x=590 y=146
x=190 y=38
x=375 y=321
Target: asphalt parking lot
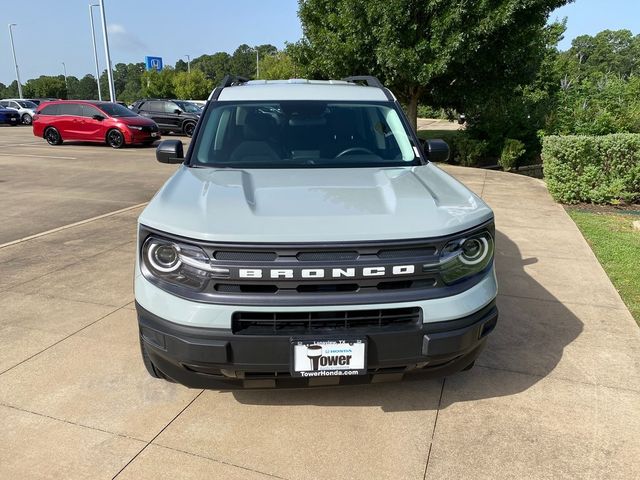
x=555 y=395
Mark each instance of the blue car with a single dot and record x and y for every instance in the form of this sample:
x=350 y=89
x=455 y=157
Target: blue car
x=8 y=116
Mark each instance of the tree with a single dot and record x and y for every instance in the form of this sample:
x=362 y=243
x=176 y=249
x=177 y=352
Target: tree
x=181 y=66
x=192 y=85
x=243 y=61
x=87 y=88
x=278 y=66
x=158 y=84
x=46 y=86
x=215 y=66
x=431 y=50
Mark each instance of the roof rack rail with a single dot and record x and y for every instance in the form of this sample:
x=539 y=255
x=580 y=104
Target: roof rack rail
x=368 y=80
x=230 y=80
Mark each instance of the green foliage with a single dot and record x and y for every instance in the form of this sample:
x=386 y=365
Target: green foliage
x=45 y=86
x=447 y=55
x=158 y=84
x=468 y=151
x=194 y=85
x=215 y=66
x=278 y=66
x=598 y=169
x=512 y=151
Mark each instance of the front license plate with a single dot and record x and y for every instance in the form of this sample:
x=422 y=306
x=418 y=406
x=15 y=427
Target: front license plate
x=322 y=358
x=154 y=134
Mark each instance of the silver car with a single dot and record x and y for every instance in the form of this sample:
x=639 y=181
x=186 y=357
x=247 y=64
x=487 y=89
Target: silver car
x=307 y=238
x=25 y=108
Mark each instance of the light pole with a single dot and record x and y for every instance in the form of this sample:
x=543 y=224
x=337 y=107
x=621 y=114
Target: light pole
x=95 y=50
x=112 y=89
x=66 y=86
x=257 y=61
x=188 y=63
x=15 y=62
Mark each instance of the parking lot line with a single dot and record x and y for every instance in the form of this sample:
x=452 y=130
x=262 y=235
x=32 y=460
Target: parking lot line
x=36 y=156
x=71 y=225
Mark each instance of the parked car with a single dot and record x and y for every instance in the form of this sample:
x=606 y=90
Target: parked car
x=89 y=121
x=176 y=116
x=9 y=116
x=308 y=238
x=25 y=108
x=38 y=101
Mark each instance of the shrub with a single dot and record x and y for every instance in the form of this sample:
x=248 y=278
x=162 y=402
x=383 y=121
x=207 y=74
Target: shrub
x=511 y=153
x=468 y=151
x=597 y=169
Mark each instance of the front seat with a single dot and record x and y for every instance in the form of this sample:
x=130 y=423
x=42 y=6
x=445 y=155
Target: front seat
x=259 y=133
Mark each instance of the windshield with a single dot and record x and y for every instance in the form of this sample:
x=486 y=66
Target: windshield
x=296 y=134
x=27 y=104
x=115 y=110
x=188 y=107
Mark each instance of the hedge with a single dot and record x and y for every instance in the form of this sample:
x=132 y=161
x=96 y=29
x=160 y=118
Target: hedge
x=595 y=169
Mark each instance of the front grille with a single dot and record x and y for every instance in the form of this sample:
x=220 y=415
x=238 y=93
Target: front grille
x=304 y=323
x=245 y=256
x=149 y=128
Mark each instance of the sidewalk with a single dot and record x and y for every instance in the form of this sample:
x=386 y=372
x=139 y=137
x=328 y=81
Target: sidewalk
x=556 y=394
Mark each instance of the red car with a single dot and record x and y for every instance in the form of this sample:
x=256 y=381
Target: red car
x=88 y=121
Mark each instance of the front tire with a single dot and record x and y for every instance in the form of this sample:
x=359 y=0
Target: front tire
x=26 y=119
x=115 y=138
x=52 y=136
x=188 y=128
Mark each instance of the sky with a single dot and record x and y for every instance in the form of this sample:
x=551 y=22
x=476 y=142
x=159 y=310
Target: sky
x=50 y=32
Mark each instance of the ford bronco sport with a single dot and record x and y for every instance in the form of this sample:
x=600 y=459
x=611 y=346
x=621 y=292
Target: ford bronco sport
x=308 y=238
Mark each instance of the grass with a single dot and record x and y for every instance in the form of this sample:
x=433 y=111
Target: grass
x=617 y=247
x=445 y=135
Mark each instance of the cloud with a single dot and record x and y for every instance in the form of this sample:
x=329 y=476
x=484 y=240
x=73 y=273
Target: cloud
x=124 y=40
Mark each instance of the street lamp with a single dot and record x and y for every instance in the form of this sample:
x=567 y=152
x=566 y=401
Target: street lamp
x=112 y=89
x=15 y=62
x=95 y=50
x=257 y=61
x=188 y=63
x=65 y=79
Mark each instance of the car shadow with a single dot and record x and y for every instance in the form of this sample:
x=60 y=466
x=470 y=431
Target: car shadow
x=532 y=332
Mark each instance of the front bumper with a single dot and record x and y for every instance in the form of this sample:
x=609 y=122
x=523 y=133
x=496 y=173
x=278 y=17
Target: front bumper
x=216 y=358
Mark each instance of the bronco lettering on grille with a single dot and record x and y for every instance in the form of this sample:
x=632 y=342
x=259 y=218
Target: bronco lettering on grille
x=315 y=273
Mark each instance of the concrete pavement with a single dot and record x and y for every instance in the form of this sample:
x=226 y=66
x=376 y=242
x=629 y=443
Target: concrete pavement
x=556 y=394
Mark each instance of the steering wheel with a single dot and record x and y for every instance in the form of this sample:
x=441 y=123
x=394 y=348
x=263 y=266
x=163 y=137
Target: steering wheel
x=354 y=150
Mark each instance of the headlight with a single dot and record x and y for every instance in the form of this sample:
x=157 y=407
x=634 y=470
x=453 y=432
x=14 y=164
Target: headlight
x=466 y=257
x=134 y=127
x=178 y=263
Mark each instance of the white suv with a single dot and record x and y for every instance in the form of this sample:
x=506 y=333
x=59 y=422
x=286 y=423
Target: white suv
x=25 y=108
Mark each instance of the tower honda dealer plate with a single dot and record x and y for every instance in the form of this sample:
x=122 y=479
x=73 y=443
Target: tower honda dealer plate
x=320 y=358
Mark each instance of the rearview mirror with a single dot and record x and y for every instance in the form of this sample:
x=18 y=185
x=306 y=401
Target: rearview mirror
x=178 y=111
x=98 y=117
x=437 y=150
x=170 y=151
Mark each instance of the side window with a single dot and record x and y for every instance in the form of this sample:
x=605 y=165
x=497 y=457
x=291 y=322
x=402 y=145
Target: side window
x=4 y=103
x=89 y=111
x=14 y=105
x=144 y=106
x=50 y=110
x=70 y=109
x=170 y=107
x=153 y=106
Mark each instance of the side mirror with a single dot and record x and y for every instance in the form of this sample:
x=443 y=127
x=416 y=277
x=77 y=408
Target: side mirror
x=437 y=150
x=98 y=117
x=170 y=151
x=177 y=111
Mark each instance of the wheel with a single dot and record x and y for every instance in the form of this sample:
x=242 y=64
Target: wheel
x=188 y=128
x=52 y=136
x=469 y=367
x=115 y=139
x=26 y=119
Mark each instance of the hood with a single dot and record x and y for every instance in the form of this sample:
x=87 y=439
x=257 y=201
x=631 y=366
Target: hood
x=138 y=121
x=313 y=205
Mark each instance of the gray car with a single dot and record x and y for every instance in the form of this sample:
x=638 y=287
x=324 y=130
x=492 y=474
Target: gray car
x=25 y=108
x=307 y=237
